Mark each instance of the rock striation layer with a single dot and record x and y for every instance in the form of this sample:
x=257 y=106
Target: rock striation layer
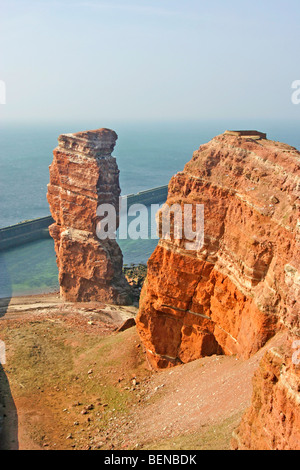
x=84 y=175
x=243 y=285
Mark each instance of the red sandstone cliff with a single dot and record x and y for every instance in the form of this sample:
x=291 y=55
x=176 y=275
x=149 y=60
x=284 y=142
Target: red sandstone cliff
x=83 y=175
x=243 y=285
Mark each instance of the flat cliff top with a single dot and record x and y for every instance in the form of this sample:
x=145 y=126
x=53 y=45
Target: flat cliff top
x=236 y=153
x=98 y=142
x=262 y=172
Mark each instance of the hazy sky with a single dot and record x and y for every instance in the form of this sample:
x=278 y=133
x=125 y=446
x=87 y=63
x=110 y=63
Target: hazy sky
x=149 y=59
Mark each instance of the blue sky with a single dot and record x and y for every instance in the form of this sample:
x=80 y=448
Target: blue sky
x=149 y=60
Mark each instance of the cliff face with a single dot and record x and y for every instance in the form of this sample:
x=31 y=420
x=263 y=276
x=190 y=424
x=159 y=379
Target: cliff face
x=83 y=175
x=273 y=420
x=243 y=285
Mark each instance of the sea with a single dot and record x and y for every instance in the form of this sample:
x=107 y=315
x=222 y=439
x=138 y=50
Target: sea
x=148 y=155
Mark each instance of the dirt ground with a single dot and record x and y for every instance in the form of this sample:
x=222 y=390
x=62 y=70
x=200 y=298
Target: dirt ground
x=73 y=381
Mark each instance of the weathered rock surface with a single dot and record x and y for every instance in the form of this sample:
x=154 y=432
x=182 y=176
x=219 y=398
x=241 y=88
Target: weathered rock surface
x=273 y=420
x=243 y=285
x=83 y=175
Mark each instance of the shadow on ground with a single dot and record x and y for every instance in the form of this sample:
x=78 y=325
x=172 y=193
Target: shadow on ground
x=5 y=286
x=8 y=411
x=8 y=416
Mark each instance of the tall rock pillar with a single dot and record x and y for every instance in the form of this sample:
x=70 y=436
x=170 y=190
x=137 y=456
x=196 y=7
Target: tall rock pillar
x=84 y=175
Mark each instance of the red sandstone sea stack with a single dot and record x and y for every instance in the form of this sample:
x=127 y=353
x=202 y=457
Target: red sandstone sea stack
x=83 y=175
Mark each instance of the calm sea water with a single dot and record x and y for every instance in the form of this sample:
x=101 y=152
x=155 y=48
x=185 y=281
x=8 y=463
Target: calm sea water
x=148 y=154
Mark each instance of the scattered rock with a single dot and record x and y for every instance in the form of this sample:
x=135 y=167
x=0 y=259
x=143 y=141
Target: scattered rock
x=274 y=200
x=129 y=323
